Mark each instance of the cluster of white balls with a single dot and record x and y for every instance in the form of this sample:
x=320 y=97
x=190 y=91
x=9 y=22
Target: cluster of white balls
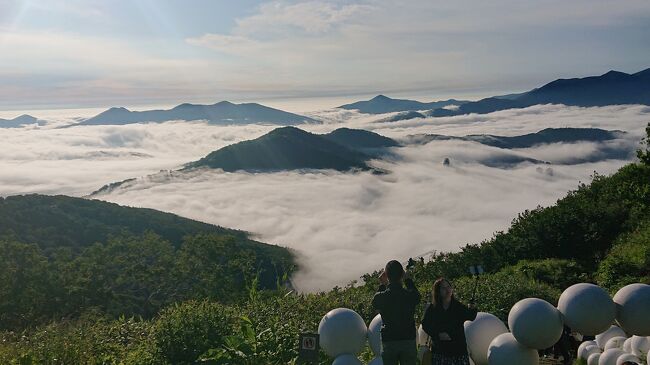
x=534 y=325
x=629 y=340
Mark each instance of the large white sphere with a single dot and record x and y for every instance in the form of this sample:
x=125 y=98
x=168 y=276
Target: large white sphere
x=342 y=331
x=587 y=308
x=593 y=359
x=422 y=337
x=627 y=357
x=627 y=345
x=505 y=350
x=610 y=356
x=374 y=335
x=479 y=333
x=633 y=309
x=615 y=343
x=591 y=349
x=346 y=359
x=639 y=346
x=376 y=361
x=613 y=331
x=535 y=323
x=583 y=346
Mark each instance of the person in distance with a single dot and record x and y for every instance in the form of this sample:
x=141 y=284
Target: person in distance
x=396 y=301
x=443 y=321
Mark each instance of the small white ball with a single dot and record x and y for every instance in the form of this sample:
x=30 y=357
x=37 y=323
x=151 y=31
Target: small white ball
x=376 y=361
x=613 y=331
x=593 y=359
x=627 y=345
x=591 y=349
x=610 y=356
x=639 y=346
x=587 y=308
x=479 y=333
x=374 y=335
x=615 y=343
x=583 y=346
x=632 y=309
x=346 y=359
x=505 y=350
x=535 y=323
x=342 y=331
x=627 y=357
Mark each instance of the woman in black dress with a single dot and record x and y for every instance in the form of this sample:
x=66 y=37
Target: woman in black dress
x=443 y=322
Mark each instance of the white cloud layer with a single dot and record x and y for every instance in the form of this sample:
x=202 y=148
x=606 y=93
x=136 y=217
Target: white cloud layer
x=342 y=225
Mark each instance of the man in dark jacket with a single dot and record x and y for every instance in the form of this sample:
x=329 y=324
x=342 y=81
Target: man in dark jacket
x=396 y=304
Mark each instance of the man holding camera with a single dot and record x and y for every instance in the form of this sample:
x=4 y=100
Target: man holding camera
x=396 y=301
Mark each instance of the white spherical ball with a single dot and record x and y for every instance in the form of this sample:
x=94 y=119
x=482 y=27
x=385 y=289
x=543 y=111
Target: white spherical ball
x=346 y=359
x=422 y=337
x=627 y=345
x=610 y=356
x=479 y=333
x=505 y=350
x=342 y=331
x=627 y=357
x=613 y=331
x=591 y=349
x=376 y=361
x=593 y=359
x=582 y=347
x=639 y=346
x=535 y=323
x=374 y=335
x=615 y=343
x=633 y=309
x=587 y=308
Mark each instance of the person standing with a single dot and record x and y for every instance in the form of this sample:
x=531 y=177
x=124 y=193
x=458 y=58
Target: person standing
x=443 y=321
x=396 y=304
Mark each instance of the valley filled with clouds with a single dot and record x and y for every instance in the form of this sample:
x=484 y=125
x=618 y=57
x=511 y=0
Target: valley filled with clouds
x=341 y=225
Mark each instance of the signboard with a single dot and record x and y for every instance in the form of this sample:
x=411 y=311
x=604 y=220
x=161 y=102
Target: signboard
x=308 y=348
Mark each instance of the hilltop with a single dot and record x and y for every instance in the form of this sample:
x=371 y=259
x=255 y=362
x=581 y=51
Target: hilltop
x=222 y=113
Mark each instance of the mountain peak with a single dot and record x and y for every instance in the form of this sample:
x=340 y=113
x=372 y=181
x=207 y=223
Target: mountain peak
x=614 y=74
x=380 y=97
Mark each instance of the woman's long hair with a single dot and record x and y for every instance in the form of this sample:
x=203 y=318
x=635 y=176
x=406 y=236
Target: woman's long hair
x=436 y=299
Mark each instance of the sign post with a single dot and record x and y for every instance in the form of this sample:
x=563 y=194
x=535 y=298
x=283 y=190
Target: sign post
x=308 y=348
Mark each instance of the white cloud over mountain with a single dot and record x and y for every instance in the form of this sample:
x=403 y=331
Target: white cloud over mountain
x=342 y=225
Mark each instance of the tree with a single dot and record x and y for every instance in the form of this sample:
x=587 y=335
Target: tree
x=644 y=153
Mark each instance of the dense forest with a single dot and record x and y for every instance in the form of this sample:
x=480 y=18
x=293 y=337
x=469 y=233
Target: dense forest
x=139 y=299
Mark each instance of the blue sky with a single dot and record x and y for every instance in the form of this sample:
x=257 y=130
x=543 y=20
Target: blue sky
x=73 y=53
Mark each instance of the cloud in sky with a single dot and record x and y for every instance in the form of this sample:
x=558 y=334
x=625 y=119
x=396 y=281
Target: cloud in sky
x=143 y=52
x=342 y=225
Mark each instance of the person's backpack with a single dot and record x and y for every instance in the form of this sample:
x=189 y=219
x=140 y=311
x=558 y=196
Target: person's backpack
x=428 y=348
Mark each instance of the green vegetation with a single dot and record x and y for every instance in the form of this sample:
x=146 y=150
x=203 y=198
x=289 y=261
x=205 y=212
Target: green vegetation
x=142 y=299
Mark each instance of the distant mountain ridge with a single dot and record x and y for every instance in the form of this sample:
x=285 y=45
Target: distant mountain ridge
x=290 y=148
x=611 y=88
x=382 y=104
x=20 y=121
x=223 y=113
x=545 y=136
x=282 y=149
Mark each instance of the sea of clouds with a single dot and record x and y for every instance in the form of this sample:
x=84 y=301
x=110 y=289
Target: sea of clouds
x=341 y=225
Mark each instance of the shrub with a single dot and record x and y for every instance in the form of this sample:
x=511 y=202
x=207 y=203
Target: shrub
x=185 y=331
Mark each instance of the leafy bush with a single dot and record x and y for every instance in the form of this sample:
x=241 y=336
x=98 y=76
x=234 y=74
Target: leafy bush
x=88 y=341
x=558 y=273
x=497 y=293
x=185 y=331
x=628 y=262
